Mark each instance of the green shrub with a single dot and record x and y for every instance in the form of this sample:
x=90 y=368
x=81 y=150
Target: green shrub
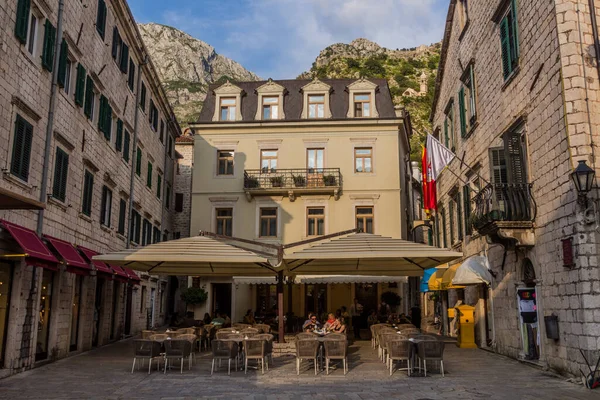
x=193 y=295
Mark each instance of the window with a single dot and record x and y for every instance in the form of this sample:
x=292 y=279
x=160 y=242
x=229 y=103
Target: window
x=314 y=160
x=105 y=117
x=363 y=159
x=443 y=221
x=48 y=49
x=168 y=197
x=106 y=206
x=149 y=176
x=315 y=224
x=23 y=15
x=159 y=186
x=146 y=232
x=101 y=18
x=153 y=116
x=316 y=106
x=170 y=146
x=126 y=141
x=271 y=107
x=90 y=95
x=268 y=160
x=138 y=162
x=134 y=230
x=64 y=67
x=61 y=169
x=467 y=102
x=451 y=217
x=449 y=126
x=459 y=219
x=80 y=85
x=463 y=13
x=119 y=139
x=120 y=51
x=143 y=299
x=21 y=152
x=116 y=44
x=509 y=40
x=131 y=77
x=179 y=202
x=155 y=235
x=225 y=162
x=498 y=165
x=362 y=105
x=228 y=108
x=32 y=34
x=364 y=219
x=268 y=222
x=224 y=221
x=143 y=98
x=122 y=213
x=162 y=130
x=467 y=209
x=437 y=231
x=88 y=192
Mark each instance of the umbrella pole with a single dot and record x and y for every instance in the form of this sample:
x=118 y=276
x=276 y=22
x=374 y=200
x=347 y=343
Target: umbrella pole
x=280 y=307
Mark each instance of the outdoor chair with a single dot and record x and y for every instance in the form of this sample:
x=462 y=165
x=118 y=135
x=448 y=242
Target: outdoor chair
x=159 y=337
x=146 y=349
x=240 y=326
x=384 y=337
x=336 y=336
x=173 y=334
x=268 y=346
x=146 y=334
x=432 y=351
x=255 y=349
x=399 y=350
x=249 y=330
x=262 y=328
x=305 y=336
x=306 y=349
x=224 y=350
x=336 y=349
x=224 y=334
x=375 y=328
x=410 y=331
x=190 y=338
x=186 y=331
x=425 y=337
x=178 y=349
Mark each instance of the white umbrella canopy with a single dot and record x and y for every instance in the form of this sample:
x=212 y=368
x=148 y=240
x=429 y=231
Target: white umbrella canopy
x=367 y=254
x=195 y=256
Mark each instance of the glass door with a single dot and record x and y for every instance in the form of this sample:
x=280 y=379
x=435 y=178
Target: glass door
x=75 y=312
x=5 y=286
x=43 y=334
x=314 y=167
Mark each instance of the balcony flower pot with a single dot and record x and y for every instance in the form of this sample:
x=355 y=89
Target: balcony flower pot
x=251 y=182
x=299 y=181
x=329 y=180
x=277 y=181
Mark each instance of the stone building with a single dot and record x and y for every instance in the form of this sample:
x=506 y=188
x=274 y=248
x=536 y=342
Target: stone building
x=283 y=161
x=517 y=97
x=88 y=167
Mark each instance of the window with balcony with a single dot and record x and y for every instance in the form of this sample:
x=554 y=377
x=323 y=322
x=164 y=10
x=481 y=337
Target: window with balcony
x=270 y=107
x=224 y=221
x=362 y=105
x=268 y=222
x=364 y=219
x=268 y=160
x=228 y=108
x=316 y=106
x=363 y=159
x=315 y=160
x=315 y=224
x=225 y=162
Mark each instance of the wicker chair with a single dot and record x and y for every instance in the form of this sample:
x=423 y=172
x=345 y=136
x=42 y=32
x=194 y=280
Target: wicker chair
x=146 y=334
x=268 y=346
x=238 y=326
x=410 y=331
x=224 y=334
x=336 y=336
x=249 y=330
x=405 y=326
x=375 y=328
x=306 y=349
x=399 y=350
x=186 y=331
x=433 y=351
x=384 y=337
x=262 y=328
x=255 y=349
x=336 y=349
x=192 y=339
x=178 y=349
x=425 y=337
x=159 y=337
x=224 y=350
x=146 y=349
x=305 y=336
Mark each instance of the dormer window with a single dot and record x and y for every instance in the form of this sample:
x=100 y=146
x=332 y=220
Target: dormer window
x=362 y=105
x=270 y=107
x=228 y=108
x=316 y=106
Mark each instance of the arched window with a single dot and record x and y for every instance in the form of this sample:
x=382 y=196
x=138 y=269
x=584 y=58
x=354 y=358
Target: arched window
x=528 y=272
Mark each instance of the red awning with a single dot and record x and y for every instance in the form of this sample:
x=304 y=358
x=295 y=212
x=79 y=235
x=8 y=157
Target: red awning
x=99 y=265
x=132 y=275
x=69 y=254
x=36 y=252
x=119 y=272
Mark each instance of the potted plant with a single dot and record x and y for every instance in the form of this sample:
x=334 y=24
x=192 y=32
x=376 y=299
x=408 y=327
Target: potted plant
x=392 y=299
x=277 y=181
x=251 y=182
x=299 y=181
x=329 y=180
x=194 y=295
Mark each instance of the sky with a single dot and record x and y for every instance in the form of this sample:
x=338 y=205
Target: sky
x=280 y=39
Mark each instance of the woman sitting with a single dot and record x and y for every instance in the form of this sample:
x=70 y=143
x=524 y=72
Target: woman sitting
x=249 y=318
x=335 y=324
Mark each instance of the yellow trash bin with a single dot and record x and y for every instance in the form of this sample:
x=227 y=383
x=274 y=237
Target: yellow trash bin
x=466 y=327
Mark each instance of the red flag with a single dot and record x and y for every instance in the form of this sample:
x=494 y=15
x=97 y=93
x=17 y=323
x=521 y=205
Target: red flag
x=437 y=158
x=424 y=181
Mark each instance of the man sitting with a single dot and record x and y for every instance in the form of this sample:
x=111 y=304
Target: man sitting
x=218 y=320
x=311 y=323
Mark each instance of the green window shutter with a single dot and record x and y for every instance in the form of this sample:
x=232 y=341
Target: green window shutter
x=446 y=138
x=451 y=218
x=467 y=208
x=116 y=40
x=149 y=177
x=88 y=190
x=62 y=63
x=21 y=148
x=158 y=186
x=61 y=168
x=506 y=47
x=473 y=99
x=459 y=217
x=80 y=85
x=48 y=50
x=138 y=225
x=89 y=96
x=515 y=31
x=131 y=78
x=22 y=25
x=101 y=18
x=107 y=120
x=138 y=162
x=143 y=97
x=122 y=210
x=119 y=140
x=101 y=113
x=126 y=147
x=463 y=112
x=124 y=57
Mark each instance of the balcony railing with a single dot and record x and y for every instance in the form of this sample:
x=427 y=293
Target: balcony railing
x=503 y=202
x=300 y=180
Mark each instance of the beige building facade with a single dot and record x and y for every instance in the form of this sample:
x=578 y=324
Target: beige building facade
x=280 y=162
x=96 y=153
x=516 y=99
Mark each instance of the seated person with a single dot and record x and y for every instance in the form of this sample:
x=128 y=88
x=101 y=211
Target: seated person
x=311 y=323
x=372 y=319
x=189 y=320
x=249 y=318
x=218 y=320
x=207 y=318
x=331 y=321
x=404 y=319
x=227 y=323
x=340 y=326
x=393 y=318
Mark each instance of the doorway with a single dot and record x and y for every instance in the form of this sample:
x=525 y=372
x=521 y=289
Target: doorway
x=45 y=307
x=152 y=306
x=75 y=312
x=221 y=298
x=6 y=276
x=113 y=316
x=97 y=310
x=316 y=299
x=528 y=313
x=366 y=293
x=128 y=310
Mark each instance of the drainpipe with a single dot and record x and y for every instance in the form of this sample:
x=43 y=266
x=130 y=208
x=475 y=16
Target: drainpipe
x=134 y=148
x=592 y=7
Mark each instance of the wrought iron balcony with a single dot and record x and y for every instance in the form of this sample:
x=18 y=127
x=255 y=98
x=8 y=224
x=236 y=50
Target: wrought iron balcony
x=505 y=212
x=266 y=182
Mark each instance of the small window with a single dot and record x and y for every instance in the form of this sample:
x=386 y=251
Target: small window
x=362 y=105
x=61 y=169
x=179 y=202
x=363 y=159
x=134 y=230
x=67 y=85
x=316 y=106
x=315 y=224
x=138 y=162
x=143 y=97
x=225 y=162
x=149 y=176
x=21 y=152
x=159 y=186
x=32 y=34
x=126 y=143
x=146 y=232
x=80 y=85
x=228 y=108
x=101 y=18
x=268 y=222
x=88 y=193
x=467 y=209
x=364 y=219
x=315 y=160
x=119 y=138
x=153 y=116
x=131 y=77
x=467 y=102
x=271 y=107
x=268 y=160
x=449 y=127
x=224 y=221
x=509 y=40
x=106 y=206
x=122 y=216
x=162 y=130
x=90 y=98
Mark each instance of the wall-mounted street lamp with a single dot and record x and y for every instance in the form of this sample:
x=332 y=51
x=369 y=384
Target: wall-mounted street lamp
x=583 y=178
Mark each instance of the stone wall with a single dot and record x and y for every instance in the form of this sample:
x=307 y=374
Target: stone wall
x=183 y=183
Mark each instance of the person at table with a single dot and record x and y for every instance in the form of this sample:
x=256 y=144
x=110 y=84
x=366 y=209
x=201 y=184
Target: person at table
x=311 y=323
x=330 y=323
x=249 y=318
x=372 y=319
x=218 y=320
x=227 y=323
x=339 y=326
x=207 y=319
x=345 y=315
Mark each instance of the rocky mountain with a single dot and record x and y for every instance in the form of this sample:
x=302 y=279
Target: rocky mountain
x=410 y=74
x=187 y=66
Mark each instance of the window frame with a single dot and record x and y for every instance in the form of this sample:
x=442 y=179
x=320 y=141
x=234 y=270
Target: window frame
x=269 y=219
x=106 y=206
x=363 y=158
x=87 y=200
x=225 y=159
x=122 y=217
x=270 y=106
x=315 y=218
x=221 y=221
x=230 y=114
x=269 y=160
x=356 y=102
x=31 y=43
x=315 y=169
x=61 y=175
x=20 y=164
x=316 y=104
x=364 y=217
x=509 y=41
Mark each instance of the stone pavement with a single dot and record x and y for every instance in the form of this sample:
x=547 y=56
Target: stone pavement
x=470 y=374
